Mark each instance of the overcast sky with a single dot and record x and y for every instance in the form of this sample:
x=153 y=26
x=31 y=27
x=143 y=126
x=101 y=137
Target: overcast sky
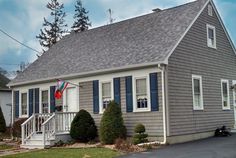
x=23 y=19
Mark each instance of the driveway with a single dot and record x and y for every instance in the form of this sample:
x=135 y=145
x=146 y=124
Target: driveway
x=221 y=147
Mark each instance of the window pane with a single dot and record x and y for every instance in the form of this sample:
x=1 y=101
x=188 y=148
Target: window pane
x=225 y=94
x=106 y=89
x=24 y=104
x=45 y=101
x=196 y=86
x=141 y=87
x=211 y=33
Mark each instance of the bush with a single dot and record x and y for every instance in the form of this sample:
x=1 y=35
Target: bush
x=123 y=145
x=2 y=122
x=83 y=127
x=112 y=124
x=16 y=129
x=140 y=136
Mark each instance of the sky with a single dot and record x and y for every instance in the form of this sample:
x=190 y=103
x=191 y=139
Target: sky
x=23 y=20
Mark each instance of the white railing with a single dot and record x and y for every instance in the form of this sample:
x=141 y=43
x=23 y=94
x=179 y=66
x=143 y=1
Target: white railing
x=47 y=124
x=49 y=129
x=63 y=121
x=33 y=125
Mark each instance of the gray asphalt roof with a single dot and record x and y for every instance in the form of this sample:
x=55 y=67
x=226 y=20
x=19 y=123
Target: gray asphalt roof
x=144 y=39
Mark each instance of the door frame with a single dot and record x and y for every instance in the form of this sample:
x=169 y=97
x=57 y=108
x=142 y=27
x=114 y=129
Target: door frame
x=76 y=98
x=234 y=102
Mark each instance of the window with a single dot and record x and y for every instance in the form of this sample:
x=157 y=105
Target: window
x=141 y=93
x=197 y=92
x=210 y=13
x=44 y=101
x=211 y=36
x=23 y=104
x=225 y=94
x=106 y=94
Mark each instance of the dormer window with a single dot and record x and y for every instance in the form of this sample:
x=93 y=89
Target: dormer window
x=211 y=36
x=210 y=13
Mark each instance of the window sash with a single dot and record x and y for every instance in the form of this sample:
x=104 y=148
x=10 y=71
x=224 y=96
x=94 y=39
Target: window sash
x=106 y=94
x=225 y=95
x=44 y=103
x=211 y=36
x=141 y=93
x=197 y=93
x=24 y=104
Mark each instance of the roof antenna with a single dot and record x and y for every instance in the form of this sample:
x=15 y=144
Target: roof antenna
x=111 y=20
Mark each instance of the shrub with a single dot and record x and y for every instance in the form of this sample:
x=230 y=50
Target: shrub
x=123 y=145
x=112 y=124
x=83 y=127
x=140 y=136
x=16 y=129
x=2 y=122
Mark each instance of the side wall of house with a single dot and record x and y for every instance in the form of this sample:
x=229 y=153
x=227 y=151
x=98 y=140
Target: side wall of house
x=5 y=103
x=193 y=56
x=152 y=120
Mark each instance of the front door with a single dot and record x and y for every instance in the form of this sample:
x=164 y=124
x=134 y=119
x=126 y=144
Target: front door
x=70 y=104
x=234 y=98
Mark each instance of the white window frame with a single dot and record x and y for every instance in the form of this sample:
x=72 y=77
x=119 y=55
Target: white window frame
x=210 y=10
x=195 y=107
x=101 y=110
x=135 y=108
x=208 y=26
x=27 y=102
x=222 y=97
x=40 y=99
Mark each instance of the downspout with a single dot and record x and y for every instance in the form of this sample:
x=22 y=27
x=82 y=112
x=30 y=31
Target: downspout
x=163 y=70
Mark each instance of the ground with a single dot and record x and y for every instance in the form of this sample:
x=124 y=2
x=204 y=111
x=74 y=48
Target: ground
x=68 y=153
x=220 y=147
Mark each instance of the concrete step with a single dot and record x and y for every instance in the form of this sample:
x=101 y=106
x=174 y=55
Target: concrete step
x=233 y=130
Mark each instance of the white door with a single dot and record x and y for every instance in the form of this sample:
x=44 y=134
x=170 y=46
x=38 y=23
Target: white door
x=234 y=97
x=71 y=100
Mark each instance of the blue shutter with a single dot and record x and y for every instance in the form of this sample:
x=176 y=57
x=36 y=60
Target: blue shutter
x=36 y=99
x=31 y=99
x=116 y=82
x=95 y=97
x=154 y=91
x=52 y=99
x=16 y=95
x=129 y=94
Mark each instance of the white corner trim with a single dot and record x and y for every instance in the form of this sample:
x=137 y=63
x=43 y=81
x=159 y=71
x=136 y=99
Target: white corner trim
x=189 y=27
x=201 y=92
x=222 y=97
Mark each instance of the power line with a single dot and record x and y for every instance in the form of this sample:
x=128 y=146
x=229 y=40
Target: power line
x=19 y=41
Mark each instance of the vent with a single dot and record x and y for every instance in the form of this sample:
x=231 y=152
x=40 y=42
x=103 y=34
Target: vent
x=156 y=10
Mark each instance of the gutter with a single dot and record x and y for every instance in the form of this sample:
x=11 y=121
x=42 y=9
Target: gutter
x=163 y=79
x=86 y=74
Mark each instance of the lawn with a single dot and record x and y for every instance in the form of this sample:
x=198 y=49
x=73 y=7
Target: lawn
x=68 y=153
x=5 y=146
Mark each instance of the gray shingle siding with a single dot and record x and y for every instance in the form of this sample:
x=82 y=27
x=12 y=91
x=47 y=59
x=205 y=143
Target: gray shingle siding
x=192 y=56
x=151 y=120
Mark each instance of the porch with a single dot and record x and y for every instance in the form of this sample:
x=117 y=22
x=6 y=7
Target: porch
x=44 y=130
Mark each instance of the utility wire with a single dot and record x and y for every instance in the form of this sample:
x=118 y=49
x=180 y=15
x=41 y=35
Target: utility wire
x=19 y=41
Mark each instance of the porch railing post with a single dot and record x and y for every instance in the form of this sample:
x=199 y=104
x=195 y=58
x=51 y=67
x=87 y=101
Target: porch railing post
x=22 y=134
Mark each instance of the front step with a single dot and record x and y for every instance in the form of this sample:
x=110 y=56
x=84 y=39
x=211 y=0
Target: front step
x=36 y=142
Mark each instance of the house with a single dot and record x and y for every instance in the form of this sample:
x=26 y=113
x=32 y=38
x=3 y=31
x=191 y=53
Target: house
x=5 y=99
x=172 y=70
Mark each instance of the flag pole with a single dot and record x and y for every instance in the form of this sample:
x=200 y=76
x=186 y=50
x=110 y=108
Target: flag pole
x=70 y=83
